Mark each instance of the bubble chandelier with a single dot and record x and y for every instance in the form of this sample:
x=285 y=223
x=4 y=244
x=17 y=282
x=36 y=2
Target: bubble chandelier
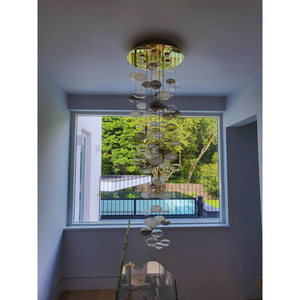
x=154 y=99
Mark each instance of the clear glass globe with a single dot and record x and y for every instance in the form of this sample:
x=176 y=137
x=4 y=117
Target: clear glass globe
x=156 y=233
x=157 y=75
x=151 y=242
x=165 y=242
x=155 y=161
x=176 y=86
x=159 y=218
x=147 y=212
x=147 y=171
x=159 y=246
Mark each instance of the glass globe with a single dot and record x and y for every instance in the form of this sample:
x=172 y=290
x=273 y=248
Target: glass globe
x=171 y=156
x=141 y=148
x=155 y=84
x=132 y=75
x=171 y=127
x=151 y=222
x=165 y=195
x=146 y=231
x=147 y=171
x=151 y=195
x=172 y=91
x=141 y=105
x=165 y=164
x=155 y=161
x=165 y=242
x=140 y=93
x=176 y=167
x=145 y=195
x=135 y=114
x=175 y=143
x=170 y=108
x=133 y=99
x=140 y=77
x=165 y=222
x=134 y=142
x=147 y=212
x=156 y=208
x=159 y=218
x=159 y=135
x=164 y=95
x=151 y=146
x=159 y=181
x=157 y=233
x=176 y=86
x=151 y=242
x=159 y=246
x=170 y=70
x=170 y=81
x=157 y=75
x=146 y=84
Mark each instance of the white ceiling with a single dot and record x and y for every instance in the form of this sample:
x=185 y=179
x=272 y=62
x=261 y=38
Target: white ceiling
x=83 y=44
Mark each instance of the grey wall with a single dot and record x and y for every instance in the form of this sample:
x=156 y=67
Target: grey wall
x=208 y=263
x=53 y=153
x=244 y=106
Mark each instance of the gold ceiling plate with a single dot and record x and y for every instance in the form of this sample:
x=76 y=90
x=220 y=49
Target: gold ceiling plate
x=155 y=55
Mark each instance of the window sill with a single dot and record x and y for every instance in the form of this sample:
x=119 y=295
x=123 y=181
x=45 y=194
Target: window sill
x=118 y=224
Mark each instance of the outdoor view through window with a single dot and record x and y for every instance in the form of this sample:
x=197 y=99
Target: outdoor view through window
x=109 y=178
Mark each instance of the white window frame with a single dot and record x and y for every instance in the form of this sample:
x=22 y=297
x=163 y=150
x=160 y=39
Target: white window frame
x=134 y=223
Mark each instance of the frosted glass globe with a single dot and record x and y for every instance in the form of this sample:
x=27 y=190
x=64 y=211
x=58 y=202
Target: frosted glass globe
x=175 y=143
x=141 y=105
x=158 y=75
x=135 y=114
x=157 y=233
x=155 y=161
x=151 y=146
x=159 y=135
x=164 y=195
x=156 y=208
x=145 y=195
x=132 y=75
x=159 y=218
x=151 y=222
x=151 y=195
x=170 y=156
x=164 y=95
x=147 y=171
x=140 y=78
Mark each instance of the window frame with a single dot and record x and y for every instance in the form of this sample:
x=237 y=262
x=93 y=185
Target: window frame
x=116 y=223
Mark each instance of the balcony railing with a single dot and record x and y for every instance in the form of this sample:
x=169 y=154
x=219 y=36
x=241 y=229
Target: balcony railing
x=196 y=199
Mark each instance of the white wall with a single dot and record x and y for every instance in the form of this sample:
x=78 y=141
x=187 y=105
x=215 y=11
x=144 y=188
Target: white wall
x=53 y=159
x=92 y=125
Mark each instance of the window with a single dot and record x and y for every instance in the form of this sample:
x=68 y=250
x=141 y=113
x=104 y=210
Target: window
x=107 y=182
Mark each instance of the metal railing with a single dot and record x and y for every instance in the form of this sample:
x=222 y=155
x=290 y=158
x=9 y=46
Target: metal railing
x=134 y=208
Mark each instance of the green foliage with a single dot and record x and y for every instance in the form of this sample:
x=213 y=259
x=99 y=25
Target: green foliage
x=117 y=153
